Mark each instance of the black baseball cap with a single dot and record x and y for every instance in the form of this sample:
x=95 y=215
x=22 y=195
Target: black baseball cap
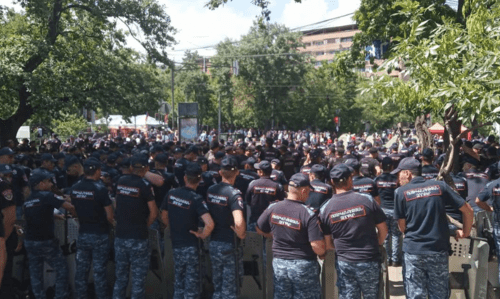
x=5 y=169
x=139 y=161
x=428 y=153
x=162 y=158
x=193 y=170
x=276 y=161
x=250 y=161
x=192 y=149
x=386 y=161
x=373 y=150
x=314 y=154
x=47 y=157
x=202 y=160
x=299 y=180
x=353 y=163
x=264 y=165
x=70 y=160
x=6 y=151
x=229 y=163
x=39 y=175
x=92 y=163
x=340 y=172
x=318 y=168
x=178 y=150
x=125 y=163
x=408 y=163
x=219 y=154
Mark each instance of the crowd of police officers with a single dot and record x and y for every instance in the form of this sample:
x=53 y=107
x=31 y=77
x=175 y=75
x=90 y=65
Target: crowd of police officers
x=348 y=197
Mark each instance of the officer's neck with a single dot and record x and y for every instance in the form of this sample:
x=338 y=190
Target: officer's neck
x=227 y=181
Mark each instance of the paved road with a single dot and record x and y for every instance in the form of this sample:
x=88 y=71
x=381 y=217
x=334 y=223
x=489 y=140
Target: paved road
x=396 y=283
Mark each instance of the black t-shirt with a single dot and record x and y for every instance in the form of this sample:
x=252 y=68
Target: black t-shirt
x=169 y=182
x=222 y=200
x=19 y=181
x=39 y=213
x=294 y=227
x=386 y=184
x=132 y=196
x=306 y=169
x=279 y=177
x=184 y=207
x=429 y=172
x=476 y=181
x=288 y=162
x=491 y=192
x=320 y=193
x=396 y=158
x=351 y=219
x=260 y=194
x=207 y=180
x=269 y=153
x=179 y=170
x=422 y=204
x=363 y=184
x=89 y=199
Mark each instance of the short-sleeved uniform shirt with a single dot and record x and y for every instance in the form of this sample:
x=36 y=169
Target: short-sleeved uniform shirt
x=366 y=185
x=132 y=210
x=222 y=200
x=19 y=181
x=184 y=207
x=491 y=192
x=39 y=214
x=386 y=184
x=320 y=193
x=294 y=227
x=260 y=194
x=396 y=158
x=429 y=172
x=476 y=181
x=288 y=162
x=89 y=199
x=207 y=180
x=351 y=219
x=461 y=187
x=269 y=153
x=422 y=204
x=6 y=200
x=179 y=170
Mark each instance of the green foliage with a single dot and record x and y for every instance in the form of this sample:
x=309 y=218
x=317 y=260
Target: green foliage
x=454 y=66
x=69 y=124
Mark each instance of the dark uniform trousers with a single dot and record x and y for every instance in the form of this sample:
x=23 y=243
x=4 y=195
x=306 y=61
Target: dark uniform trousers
x=296 y=279
x=393 y=240
x=92 y=248
x=223 y=270
x=131 y=254
x=47 y=251
x=355 y=278
x=426 y=272
x=187 y=279
x=496 y=236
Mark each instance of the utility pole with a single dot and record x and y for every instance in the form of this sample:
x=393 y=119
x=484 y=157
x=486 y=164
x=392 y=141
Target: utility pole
x=219 y=117
x=172 y=110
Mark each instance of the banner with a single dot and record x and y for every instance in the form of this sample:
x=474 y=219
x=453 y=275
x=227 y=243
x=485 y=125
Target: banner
x=188 y=129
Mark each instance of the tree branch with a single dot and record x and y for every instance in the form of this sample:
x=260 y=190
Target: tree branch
x=470 y=130
x=78 y=6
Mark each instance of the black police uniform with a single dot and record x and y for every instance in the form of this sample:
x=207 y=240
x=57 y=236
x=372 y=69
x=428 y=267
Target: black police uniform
x=396 y=158
x=185 y=207
x=208 y=178
x=279 y=177
x=270 y=153
x=368 y=167
x=288 y=162
x=244 y=179
x=169 y=182
x=259 y=195
x=429 y=172
x=476 y=181
x=366 y=185
x=179 y=169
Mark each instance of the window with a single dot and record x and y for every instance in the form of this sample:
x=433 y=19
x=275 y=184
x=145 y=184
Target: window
x=331 y=41
x=320 y=53
x=318 y=63
x=346 y=39
x=319 y=43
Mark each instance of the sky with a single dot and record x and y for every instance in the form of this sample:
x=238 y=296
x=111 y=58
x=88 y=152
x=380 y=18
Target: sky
x=197 y=26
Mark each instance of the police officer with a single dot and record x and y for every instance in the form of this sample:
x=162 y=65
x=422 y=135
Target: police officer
x=288 y=161
x=20 y=186
x=95 y=214
x=7 y=216
x=297 y=241
x=262 y=192
x=169 y=179
x=420 y=210
x=370 y=166
x=135 y=212
x=353 y=224
x=476 y=181
x=40 y=242
x=362 y=184
x=277 y=175
x=180 y=211
x=429 y=171
x=320 y=192
x=269 y=152
x=226 y=206
x=386 y=184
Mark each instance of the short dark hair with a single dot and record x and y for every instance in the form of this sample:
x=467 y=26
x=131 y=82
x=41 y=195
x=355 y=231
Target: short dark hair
x=193 y=179
x=228 y=174
x=340 y=183
x=416 y=172
x=318 y=175
x=90 y=171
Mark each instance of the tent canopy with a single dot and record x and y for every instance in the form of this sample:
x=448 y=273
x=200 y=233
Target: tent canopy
x=115 y=121
x=437 y=128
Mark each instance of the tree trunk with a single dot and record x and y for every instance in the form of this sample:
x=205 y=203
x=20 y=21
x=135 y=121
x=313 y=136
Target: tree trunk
x=424 y=136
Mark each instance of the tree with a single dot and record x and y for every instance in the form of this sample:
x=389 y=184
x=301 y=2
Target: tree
x=454 y=73
x=269 y=68
x=61 y=54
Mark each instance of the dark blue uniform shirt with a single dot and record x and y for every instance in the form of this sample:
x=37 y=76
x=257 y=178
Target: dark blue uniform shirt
x=39 y=214
x=320 y=193
x=386 y=184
